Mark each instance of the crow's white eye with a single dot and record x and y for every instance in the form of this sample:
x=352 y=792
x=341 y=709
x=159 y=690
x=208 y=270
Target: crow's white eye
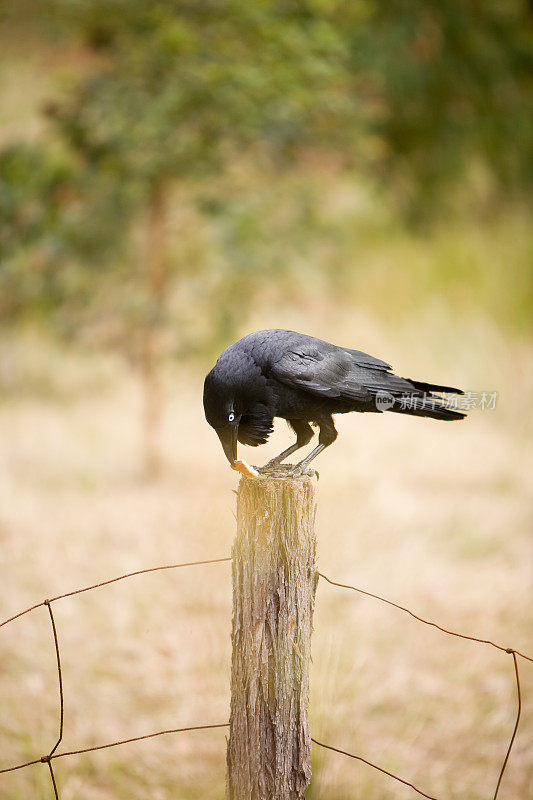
x=231 y=417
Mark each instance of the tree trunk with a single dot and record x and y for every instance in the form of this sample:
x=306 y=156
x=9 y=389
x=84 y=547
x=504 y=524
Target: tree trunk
x=274 y=583
x=156 y=283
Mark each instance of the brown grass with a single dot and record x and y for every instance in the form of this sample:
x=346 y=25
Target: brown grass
x=434 y=516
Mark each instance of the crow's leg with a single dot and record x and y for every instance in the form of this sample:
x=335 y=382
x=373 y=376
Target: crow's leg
x=304 y=434
x=327 y=436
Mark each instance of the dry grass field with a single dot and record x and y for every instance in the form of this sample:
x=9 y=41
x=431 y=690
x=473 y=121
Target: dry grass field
x=435 y=516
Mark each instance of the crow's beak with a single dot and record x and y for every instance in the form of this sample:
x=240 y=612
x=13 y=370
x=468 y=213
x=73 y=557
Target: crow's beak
x=228 y=440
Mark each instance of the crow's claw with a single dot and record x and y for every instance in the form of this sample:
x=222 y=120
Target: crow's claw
x=271 y=465
x=297 y=471
x=277 y=470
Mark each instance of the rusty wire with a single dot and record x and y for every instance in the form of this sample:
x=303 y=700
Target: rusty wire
x=508 y=650
x=426 y=621
x=112 y=580
x=47 y=759
x=375 y=766
x=53 y=754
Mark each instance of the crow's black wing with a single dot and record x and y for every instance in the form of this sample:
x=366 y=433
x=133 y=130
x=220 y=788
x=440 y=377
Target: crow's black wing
x=364 y=360
x=329 y=371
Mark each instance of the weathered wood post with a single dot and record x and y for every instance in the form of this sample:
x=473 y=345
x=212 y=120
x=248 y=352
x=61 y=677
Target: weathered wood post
x=274 y=583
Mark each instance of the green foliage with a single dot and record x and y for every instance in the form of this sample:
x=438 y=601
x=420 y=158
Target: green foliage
x=447 y=87
x=409 y=93
x=56 y=221
x=179 y=98
x=182 y=88
x=31 y=197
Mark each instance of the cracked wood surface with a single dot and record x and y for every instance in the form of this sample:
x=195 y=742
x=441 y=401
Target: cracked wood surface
x=274 y=583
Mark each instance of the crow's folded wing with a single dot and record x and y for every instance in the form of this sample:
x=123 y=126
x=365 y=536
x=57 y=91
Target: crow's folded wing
x=328 y=371
x=364 y=360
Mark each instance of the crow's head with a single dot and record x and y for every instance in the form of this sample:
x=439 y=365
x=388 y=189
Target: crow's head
x=223 y=413
x=236 y=406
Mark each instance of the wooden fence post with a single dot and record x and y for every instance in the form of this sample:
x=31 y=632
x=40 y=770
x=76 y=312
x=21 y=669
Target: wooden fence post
x=274 y=583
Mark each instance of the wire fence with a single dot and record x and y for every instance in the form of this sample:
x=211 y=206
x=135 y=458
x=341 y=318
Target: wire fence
x=53 y=754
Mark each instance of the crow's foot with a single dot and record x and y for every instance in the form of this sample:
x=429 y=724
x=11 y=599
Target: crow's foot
x=277 y=470
x=272 y=465
x=298 y=470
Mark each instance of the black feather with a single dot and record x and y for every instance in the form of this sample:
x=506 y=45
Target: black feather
x=255 y=426
x=434 y=387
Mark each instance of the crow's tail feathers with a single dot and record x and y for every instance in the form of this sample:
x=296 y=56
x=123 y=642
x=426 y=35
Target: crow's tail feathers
x=416 y=398
x=423 y=403
x=434 y=387
x=426 y=407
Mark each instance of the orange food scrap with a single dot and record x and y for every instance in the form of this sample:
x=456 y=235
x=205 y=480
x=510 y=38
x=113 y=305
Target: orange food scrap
x=245 y=469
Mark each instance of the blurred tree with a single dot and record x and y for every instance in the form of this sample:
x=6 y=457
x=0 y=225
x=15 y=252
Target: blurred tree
x=446 y=86
x=177 y=92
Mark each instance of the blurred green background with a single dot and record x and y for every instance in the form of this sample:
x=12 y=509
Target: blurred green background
x=167 y=168
x=176 y=174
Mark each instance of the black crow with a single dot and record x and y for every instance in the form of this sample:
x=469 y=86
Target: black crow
x=279 y=373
